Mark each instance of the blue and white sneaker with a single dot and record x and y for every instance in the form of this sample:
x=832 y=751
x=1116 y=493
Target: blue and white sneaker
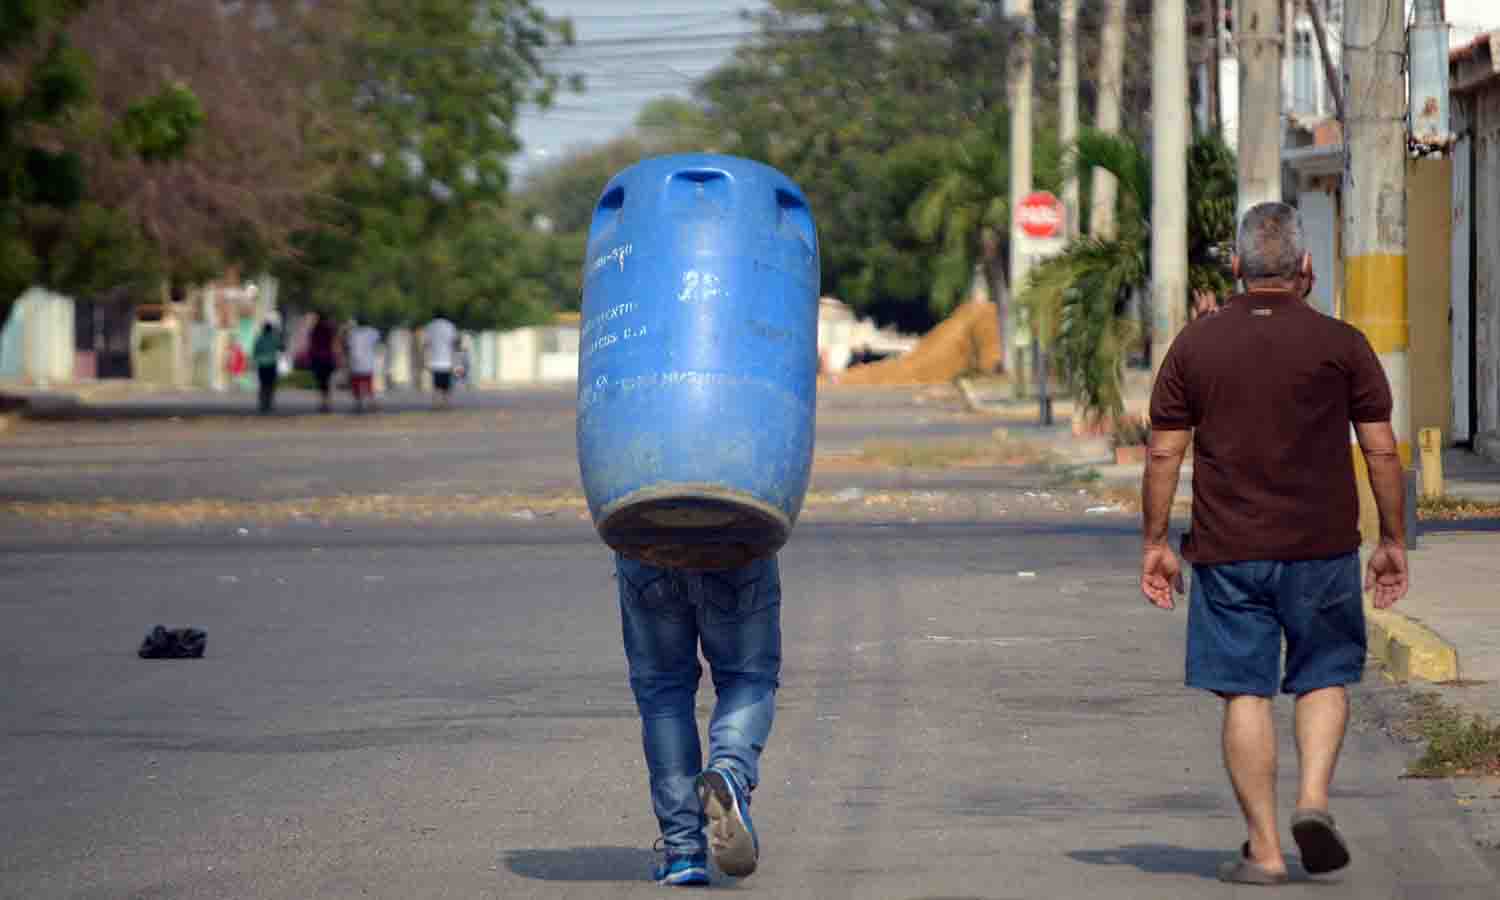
x=731 y=836
x=682 y=871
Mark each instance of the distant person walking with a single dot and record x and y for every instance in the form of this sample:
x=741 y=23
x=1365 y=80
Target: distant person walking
x=266 y=354
x=439 y=344
x=322 y=354
x=1266 y=389
x=362 y=342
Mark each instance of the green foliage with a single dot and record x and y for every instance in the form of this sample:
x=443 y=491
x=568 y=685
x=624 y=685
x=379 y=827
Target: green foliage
x=89 y=250
x=429 y=91
x=1213 y=182
x=51 y=80
x=1458 y=745
x=1131 y=431
x=966 y=210
x=563 y=194
x=51 y=233
x=1092 y=338
x=1077 y=299
x=159 y=128
x=831 y=89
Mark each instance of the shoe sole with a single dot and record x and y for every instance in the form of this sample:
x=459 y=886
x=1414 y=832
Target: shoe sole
x=729 y=839
x=690 y=878
x=1322 y=848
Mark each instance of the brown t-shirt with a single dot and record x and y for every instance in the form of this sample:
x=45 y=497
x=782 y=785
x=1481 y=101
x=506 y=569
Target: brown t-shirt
x=1270 y=386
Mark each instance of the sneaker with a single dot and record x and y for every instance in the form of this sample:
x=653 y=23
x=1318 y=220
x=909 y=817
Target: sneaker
x=682 y=871
x=731 y=836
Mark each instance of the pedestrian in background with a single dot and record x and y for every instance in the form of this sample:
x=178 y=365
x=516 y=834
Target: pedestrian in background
x=735 y=616
x=322 y=353
x=1266 y=389
x=266 y=354
x=362 y=343
x=439 y=341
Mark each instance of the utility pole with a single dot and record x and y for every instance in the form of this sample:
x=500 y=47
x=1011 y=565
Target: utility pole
x=1330 y=72
x=1259 y=42
x=1374 y=201
x=1215 y=26
x=1169 y=139
x=1067 y=106
x=1020 y=180
x=1107 y=117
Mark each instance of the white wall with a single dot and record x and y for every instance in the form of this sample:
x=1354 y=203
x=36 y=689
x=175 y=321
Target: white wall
x=1319 y=227
x=38 y=338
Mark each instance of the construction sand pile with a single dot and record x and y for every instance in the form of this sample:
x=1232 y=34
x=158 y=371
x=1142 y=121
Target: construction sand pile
x=966 y=341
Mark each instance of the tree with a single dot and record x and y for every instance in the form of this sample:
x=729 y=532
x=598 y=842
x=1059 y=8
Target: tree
x=966 y=211
x=831 y=89
x=240 y=77
x=427 y=92
x=53 y=230
x=559 y=199
x=1077 y=300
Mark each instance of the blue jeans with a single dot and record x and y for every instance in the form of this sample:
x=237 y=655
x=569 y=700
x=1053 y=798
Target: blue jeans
x=736 y=616
x=1239 y=612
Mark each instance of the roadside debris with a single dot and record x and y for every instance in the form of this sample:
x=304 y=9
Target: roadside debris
x=175 y=643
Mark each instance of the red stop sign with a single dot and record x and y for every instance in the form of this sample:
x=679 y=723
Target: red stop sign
x=1041 y=215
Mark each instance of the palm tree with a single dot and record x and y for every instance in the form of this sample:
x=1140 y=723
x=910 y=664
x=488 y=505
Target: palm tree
x=966 y=211
x=1078 y=299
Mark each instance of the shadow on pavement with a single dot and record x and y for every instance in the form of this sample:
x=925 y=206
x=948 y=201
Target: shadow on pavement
x=582 y=864
x=1457 y=526
x=1157 y=859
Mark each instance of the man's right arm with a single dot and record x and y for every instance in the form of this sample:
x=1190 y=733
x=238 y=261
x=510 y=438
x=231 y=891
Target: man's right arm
x=1387 y=570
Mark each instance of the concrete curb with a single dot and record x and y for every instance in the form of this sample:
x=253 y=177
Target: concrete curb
x=1408 y=649
x=1020 y=413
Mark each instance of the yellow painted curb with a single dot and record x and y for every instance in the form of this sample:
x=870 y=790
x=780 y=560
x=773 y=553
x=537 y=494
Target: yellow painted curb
x=1407 y=648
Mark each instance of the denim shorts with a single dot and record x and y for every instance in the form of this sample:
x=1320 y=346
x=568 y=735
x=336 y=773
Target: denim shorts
x=1239 y=612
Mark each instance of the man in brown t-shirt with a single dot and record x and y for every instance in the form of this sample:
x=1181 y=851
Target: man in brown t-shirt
x=1266 y=390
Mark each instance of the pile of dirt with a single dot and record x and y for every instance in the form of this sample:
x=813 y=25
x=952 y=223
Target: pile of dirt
x=966 y=341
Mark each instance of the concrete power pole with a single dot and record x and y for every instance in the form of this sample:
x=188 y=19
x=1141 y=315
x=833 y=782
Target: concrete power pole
x=1067 y=105
x=1259 y=45
x=1169 y=139
x=1107 y=117
x=1020 y=181
x=1374 y=202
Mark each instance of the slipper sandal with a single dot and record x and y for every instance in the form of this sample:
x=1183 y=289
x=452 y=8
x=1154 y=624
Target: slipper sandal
x=1323 y=849
x=1246 y=871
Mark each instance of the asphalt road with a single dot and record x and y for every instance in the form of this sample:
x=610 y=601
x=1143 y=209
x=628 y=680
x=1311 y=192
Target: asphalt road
x=167 y=447
x=400 y=712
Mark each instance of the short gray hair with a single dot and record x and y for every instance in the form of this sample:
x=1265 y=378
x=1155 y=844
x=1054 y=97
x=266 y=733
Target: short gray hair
x=1270 y=242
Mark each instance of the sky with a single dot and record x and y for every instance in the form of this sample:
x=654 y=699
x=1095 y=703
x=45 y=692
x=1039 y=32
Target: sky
x=630 y=52
x=1469 y=17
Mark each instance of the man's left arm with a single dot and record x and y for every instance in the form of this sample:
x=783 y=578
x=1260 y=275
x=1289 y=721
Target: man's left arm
x=1161 y=572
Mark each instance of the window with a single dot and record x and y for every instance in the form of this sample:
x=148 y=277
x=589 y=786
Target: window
x=1304 y=75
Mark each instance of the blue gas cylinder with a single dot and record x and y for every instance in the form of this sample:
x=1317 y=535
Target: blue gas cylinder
x=697 y=362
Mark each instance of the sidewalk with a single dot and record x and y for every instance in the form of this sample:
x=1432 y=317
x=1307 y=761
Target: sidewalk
x=1448 y=628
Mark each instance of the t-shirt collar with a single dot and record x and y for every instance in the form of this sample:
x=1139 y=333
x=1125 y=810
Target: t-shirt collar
x=1265 y=297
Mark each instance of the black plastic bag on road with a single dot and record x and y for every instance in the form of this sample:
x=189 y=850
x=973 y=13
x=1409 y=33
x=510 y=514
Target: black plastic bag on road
x=174 y=643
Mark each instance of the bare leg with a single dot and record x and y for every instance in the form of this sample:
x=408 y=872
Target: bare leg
x=1250 y=757
x=1322 y=717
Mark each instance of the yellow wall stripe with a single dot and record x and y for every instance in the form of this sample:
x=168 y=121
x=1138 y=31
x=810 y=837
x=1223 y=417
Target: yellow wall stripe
x=1375 y=300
